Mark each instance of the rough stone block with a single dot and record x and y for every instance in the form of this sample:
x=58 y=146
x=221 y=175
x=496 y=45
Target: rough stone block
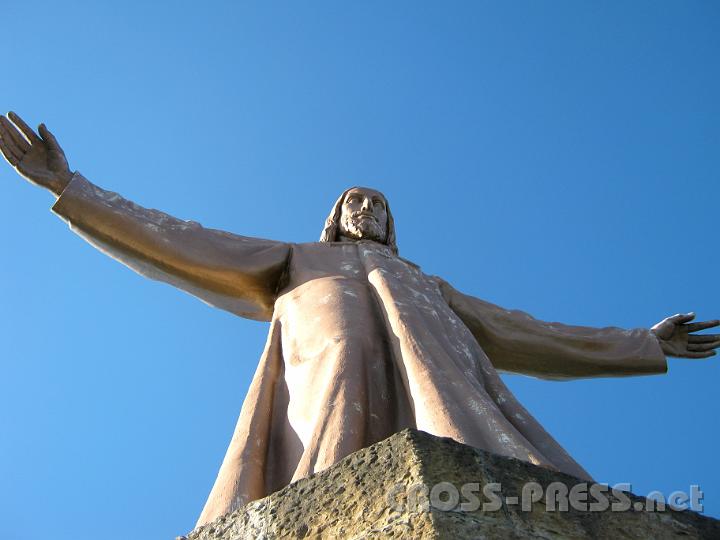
x=382 y=492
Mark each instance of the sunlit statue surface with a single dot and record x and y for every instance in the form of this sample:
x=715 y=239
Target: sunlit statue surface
x=362 y=343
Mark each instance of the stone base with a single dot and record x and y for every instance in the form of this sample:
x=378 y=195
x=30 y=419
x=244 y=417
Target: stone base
x=382 y=492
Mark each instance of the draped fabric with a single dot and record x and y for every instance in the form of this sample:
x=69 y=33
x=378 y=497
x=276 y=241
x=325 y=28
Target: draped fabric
x=362 y=344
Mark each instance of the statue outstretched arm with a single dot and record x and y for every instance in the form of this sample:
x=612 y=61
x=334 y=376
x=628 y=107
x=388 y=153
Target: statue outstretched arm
x=232 y=272
x=516 y=342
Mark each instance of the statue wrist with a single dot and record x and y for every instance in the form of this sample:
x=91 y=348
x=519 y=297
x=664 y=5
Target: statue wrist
x=61 y=182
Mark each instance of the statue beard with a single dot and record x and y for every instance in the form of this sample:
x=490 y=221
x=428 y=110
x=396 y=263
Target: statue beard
x=362 y=228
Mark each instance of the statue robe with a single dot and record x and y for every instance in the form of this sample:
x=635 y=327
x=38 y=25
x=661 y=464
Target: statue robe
x=362 y=344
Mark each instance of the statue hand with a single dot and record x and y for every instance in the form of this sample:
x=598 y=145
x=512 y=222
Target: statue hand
x=38 y=158
x=676 y=339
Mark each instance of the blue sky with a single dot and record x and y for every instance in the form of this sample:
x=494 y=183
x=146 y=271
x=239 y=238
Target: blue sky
x=558 y=157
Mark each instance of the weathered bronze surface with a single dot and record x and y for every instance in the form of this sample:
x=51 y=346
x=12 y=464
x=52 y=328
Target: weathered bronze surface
x=362 y=344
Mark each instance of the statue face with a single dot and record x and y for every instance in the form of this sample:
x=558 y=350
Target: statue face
x=363 y=215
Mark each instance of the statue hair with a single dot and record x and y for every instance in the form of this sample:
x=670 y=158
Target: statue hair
x=331 y=232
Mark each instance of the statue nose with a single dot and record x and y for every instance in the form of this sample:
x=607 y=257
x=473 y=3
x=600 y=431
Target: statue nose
x=367 y=205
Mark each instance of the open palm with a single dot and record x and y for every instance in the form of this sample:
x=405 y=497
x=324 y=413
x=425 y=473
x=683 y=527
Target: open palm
x=676 y=337
x=38 y=158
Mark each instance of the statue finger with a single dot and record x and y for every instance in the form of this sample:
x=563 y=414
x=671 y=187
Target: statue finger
x=681 y=318
x=11 y=131
x=696 y=327
x=22 y=126
x=11 y=145
x=48 y=137
x=703 y=346
x=7 y=154
x=703 y=338
x=699 y=354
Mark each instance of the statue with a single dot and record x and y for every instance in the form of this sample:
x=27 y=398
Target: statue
x=362 y=343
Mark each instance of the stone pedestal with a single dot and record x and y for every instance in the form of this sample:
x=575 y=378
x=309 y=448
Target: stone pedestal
x=414 y=485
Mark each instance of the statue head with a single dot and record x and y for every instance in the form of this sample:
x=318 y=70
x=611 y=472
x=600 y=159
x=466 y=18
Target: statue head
x=361 y=214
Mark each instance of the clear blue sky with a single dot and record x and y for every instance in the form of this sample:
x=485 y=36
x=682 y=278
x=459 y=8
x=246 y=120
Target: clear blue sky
x=558 y=157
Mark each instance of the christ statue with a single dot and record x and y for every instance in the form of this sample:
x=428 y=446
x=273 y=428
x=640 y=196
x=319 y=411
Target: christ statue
x=361 y=344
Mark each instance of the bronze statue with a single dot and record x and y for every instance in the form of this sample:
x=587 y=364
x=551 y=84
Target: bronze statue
x=362 y=343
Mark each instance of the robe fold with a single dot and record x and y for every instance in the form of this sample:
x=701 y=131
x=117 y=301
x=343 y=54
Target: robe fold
x=362 y=344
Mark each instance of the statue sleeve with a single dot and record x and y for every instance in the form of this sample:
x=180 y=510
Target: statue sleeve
x=235 y=273
x=518 y=343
